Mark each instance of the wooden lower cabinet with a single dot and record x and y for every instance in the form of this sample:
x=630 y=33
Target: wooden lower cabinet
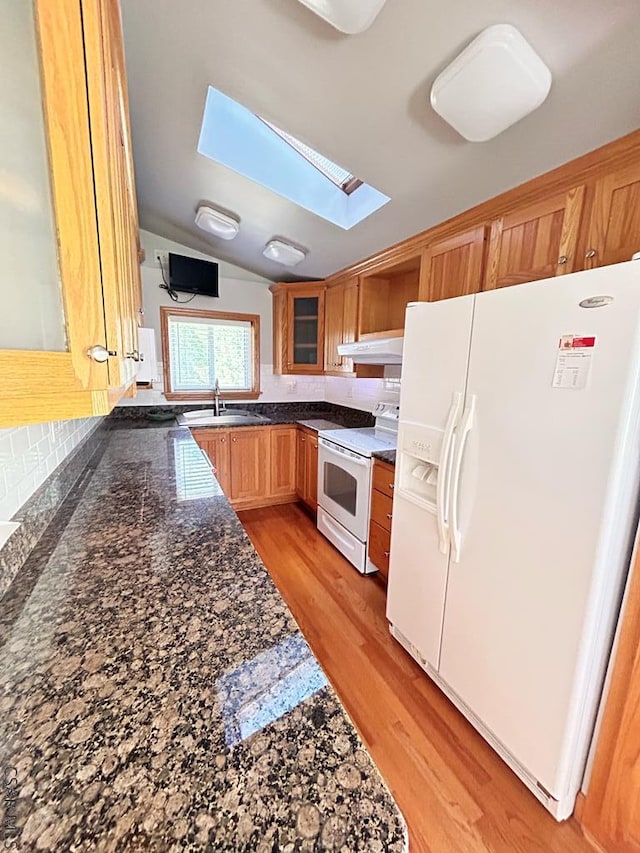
x=215 y=443
x=307 y=468
x=249 y=465
x=283 y=461
x=379 y=545
x=254 y=466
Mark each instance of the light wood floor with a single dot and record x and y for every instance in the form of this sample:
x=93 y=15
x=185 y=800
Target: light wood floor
x=455 y=793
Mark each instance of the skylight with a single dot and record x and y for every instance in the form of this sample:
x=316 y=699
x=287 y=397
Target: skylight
x=340 y=177
x=239 y=139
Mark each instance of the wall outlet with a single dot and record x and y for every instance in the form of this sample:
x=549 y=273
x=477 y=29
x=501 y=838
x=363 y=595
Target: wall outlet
x=350 y=393
x=291 y=386
x=161 y=258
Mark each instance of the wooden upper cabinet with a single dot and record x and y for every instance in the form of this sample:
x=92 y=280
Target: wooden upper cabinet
x=614 y=228
x=535 y=242
x=69 y=83
x=115 y=188
x=298 y=328
x=340 y=322
x=453 y=267
x=333 y=313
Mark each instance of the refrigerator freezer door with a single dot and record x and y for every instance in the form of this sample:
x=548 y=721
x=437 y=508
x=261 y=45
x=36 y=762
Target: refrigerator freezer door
x=434 y=375
x=531 y=605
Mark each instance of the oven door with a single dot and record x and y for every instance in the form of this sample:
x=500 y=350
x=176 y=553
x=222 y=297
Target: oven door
x=344 y=486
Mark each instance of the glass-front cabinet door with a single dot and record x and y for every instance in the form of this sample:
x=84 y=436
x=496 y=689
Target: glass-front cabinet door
x=55 y=345
x=305 y=315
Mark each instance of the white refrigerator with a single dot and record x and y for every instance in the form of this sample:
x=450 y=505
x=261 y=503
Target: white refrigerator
x=516 y=502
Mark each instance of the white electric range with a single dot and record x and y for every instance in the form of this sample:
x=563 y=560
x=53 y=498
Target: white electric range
x=345 y=466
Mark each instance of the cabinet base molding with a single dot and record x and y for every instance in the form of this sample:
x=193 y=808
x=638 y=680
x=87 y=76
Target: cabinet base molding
x=257 y=503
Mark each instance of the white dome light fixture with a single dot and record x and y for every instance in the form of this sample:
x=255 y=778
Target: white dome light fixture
x=348 y=16
x=497 y=80
x=283 y=253
x=216 y=222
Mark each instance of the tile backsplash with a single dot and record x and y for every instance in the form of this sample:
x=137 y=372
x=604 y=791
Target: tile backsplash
x=355 y=393
x=29 y=454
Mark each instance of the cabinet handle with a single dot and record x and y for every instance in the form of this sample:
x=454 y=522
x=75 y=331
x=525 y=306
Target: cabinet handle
x=563 y=259
x=389 y=516
x=387 y=553
x=135 y=355
x=590 y=253
x=99 y=353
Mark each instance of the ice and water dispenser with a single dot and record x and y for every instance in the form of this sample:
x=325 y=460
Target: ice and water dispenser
x=419 y=452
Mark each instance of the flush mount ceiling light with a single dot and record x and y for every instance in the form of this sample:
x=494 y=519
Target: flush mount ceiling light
x=348 y=16
x=283 y=253
x=497 y=80
x=215 y=222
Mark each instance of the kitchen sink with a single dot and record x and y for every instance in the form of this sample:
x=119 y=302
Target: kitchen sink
x=233 y=417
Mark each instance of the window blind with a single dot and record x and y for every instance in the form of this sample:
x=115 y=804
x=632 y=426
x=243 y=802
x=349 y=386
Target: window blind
x=203 y=350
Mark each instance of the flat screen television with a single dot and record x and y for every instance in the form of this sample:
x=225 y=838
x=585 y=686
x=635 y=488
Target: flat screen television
x=191 y=275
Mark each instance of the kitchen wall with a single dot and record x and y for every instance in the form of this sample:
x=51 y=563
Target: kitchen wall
x=28 y=454
x=246 y=292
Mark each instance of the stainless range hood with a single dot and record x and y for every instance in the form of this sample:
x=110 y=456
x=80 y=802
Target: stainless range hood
x=374 y=351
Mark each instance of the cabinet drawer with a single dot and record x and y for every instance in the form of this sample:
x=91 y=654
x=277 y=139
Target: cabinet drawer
x=383 y=475
x=381 y=509
x=379 y=547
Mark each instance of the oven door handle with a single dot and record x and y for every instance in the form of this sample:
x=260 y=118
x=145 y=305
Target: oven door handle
x=353 y=458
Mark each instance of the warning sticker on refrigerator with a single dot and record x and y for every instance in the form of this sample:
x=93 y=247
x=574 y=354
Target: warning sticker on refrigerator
x=573 y=364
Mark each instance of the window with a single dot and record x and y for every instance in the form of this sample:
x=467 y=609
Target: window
x=200 y=347
x=237 y=138
x=336 y=174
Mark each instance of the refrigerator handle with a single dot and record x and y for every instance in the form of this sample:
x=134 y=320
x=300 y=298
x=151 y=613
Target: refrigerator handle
x=444 y=478
x=466 y=425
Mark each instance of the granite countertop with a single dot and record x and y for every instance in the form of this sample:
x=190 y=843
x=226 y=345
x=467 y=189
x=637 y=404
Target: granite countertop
x=156 y=692
x=386 y=456
x=312 y=415
x=319 y=424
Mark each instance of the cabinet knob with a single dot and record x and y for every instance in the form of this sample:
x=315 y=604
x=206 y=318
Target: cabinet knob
x=389 y=516
x=590 y=253
x=563 y=259
x=387 y=553
x=391 y=485
x=234 y=439
x=135 y=355
x=222 y=440
x=99 y=353
x=303 y=439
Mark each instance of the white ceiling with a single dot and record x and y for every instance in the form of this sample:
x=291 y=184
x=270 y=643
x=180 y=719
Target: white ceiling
x=362 y=101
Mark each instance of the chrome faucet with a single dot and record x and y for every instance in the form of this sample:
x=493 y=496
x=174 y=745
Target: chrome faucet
x=216 y=399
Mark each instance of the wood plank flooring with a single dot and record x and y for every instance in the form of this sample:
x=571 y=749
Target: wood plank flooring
x=455 y=793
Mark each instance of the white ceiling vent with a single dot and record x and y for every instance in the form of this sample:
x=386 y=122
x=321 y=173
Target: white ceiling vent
x=348 y=16
x=496 y=80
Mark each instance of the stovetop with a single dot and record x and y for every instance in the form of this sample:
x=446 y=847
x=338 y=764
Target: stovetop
x=363 y=441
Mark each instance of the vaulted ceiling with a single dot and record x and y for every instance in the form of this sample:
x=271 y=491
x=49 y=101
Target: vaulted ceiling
x=363 y=101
